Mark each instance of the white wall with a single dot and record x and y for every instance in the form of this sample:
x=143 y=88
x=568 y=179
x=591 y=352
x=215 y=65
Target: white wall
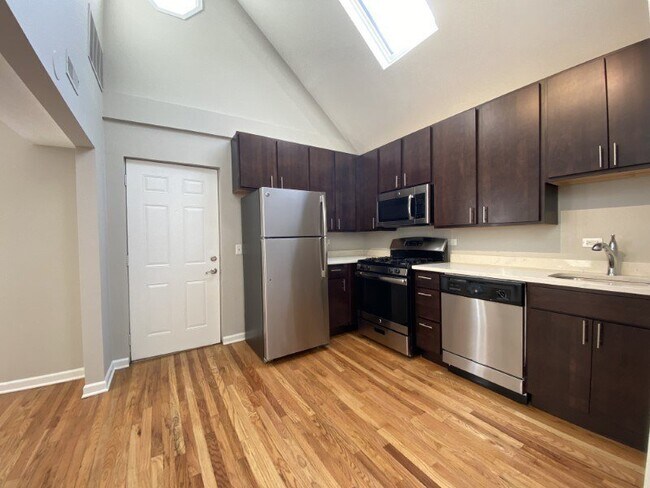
x=40 y=322
x=52 y=30
x=620 y=207
x=214 y=73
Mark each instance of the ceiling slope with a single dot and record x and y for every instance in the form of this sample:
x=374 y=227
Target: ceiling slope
x=483 y=49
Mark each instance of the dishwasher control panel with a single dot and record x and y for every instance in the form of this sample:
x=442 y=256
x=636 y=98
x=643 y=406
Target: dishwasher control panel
x=502 y=291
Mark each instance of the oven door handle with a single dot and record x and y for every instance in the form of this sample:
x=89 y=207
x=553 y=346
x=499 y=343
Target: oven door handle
x=387 y=279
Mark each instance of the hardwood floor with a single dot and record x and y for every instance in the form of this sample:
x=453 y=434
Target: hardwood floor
x=352 y=414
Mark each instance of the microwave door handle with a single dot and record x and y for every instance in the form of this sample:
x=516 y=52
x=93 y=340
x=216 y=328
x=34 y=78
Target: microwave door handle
x=409 y=205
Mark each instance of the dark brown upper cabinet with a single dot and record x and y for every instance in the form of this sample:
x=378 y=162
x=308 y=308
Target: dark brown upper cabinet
x=293 y=166
x=366 y=190
x=321 y=178
x=254 y=162
x=390 y=166
x=416 y=158
x=344 y=183
x=454 y=170
x=576 y=120
x=628 y=98
x=509 y=158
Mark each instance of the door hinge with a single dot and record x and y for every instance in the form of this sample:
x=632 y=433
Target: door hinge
x=127 y=260
x=125 y=179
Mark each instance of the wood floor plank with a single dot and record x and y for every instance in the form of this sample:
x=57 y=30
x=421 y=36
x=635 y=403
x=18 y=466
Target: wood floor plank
x=350 y=414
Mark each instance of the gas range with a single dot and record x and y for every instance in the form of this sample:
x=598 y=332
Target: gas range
x=385 y=291
x=395 y=266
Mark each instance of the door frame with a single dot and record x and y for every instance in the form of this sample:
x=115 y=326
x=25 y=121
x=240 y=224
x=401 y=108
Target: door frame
x=126 y=237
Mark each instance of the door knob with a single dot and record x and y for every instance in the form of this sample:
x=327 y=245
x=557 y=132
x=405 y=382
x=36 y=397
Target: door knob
x=212 y=271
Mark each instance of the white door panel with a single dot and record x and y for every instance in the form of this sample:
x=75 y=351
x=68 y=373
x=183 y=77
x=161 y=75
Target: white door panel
x=172 y=236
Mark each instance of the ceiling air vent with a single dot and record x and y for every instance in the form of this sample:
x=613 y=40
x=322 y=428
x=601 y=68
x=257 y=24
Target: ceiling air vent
x=95 y=53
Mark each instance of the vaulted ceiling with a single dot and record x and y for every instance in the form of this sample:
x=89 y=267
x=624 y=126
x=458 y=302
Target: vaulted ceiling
x=483 y=49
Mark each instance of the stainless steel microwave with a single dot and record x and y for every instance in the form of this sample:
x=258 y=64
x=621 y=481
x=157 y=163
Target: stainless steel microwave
x=400 y=208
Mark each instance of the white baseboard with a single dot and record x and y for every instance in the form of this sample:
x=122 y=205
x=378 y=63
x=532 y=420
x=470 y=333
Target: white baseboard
x=234 y=338
x=91 y=389
x=44 y=380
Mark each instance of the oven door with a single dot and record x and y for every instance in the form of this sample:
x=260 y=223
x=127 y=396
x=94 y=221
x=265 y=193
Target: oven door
x=384 y=300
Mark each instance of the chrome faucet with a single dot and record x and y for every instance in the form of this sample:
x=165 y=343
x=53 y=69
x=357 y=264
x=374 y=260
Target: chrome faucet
x=611 y=250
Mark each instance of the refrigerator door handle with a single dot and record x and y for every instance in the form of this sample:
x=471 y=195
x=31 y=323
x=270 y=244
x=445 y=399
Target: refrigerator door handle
x=323 y=210
x=323 y=257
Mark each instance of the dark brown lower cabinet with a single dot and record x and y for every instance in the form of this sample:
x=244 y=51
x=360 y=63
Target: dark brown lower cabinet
x=341 y=298
x=589 y=371
x=428 y=333
x=559 y=363
x=620 y=382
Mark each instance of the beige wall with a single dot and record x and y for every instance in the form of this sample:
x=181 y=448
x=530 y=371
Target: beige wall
x=598 y=209
x=40 y=324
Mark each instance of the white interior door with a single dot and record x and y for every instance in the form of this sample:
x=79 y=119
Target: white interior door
x=173 y=238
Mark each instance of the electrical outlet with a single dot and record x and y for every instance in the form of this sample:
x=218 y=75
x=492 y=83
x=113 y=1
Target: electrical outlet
x=590 y=241
x=453 y=242
x=238 y=250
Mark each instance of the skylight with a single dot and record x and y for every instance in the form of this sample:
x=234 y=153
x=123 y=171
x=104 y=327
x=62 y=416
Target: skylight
x=183 y=9
x=391 y=28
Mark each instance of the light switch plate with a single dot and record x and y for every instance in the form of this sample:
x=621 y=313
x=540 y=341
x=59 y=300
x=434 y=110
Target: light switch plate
x=453 y=242
x=590 y=241
x=238 y=249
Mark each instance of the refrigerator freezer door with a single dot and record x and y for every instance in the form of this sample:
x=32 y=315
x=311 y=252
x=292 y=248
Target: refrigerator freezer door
x=292 y=213
x=296 y=316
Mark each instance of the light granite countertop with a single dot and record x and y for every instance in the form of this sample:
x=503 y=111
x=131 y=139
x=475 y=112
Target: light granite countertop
x=532 y=275
x=334 y=260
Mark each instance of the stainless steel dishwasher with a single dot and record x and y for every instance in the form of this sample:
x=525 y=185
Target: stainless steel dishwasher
x=483 y=331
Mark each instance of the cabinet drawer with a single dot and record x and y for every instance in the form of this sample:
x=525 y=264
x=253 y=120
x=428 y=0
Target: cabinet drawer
x=427 y=304
x=428 y=336
x=425 y=279
x=338 y=271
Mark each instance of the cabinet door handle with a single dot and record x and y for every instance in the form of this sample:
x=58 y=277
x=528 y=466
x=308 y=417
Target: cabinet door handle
x=272 y=182
x=331 y=223
x=338 y=222
x=600 y=156
x=404 y=180
x=471 y=215
x=599 y=327
x=584 y=332
x=344 y=284
x=425 y=326
x=373 y=223
x=424 y=294
x=396 y=181
x=485 y=214
x=281 y=181
x=615 y=155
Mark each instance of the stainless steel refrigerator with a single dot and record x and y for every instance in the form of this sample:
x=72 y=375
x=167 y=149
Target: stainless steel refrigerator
x=285 y=271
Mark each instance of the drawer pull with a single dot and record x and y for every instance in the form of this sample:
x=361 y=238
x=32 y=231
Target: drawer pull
x=335 y=270
x=424 y=294
x=420 y=277
x=379 y=331
x=425 y=326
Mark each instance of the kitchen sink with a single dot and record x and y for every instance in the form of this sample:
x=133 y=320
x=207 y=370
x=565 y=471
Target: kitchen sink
x=609 y=280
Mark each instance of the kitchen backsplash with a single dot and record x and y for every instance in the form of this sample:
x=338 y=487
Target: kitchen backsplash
x=620 y=207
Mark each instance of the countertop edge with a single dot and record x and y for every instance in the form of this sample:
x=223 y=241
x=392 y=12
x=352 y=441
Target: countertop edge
x=528 y=276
